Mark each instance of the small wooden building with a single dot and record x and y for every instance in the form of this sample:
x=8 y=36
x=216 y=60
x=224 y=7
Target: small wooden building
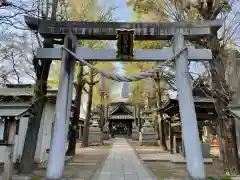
x=205 y=112
x=16 y=100
x=121 y=115
x=118 y=114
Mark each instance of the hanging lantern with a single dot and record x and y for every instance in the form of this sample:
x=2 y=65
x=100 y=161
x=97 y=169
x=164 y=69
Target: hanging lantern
x=101 y=83
x=125 y=38
x=126 y=90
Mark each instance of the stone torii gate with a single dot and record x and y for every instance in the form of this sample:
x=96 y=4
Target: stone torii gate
x=177 y=31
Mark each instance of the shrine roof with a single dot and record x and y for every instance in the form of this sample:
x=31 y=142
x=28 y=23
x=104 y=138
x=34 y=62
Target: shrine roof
x=23 y=93
x=121 y=110
x=115 y=108
x=16 y=110
x=23 y=90
x=198 y=101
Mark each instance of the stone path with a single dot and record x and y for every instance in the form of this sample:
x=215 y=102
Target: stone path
x=123 y=164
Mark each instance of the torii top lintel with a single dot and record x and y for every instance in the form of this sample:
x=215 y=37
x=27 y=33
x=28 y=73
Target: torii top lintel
x=107 y=30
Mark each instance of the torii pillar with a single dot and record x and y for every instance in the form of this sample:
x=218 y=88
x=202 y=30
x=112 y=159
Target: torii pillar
x=56 y=159
x=192 y=146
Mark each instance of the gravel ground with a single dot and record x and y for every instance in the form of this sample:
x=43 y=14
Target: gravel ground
x=83 y=165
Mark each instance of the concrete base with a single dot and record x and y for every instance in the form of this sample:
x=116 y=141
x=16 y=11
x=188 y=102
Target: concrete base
x=44 y=164
x=105 y=135
x=95 y=134
x=106 y=132
x=95 y=138
x=148 y=143
x=206 y=148
x=20 y=177
x=166 y=157
x=149 y=137
x=135 y=134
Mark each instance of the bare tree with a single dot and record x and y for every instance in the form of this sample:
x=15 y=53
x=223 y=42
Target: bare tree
x=11 y=12
x=16 y=53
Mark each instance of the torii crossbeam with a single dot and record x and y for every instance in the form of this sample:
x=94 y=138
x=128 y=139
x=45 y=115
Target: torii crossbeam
x=139 y=55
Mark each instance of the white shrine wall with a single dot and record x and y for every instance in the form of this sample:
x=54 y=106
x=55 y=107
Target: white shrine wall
x=19 y=139
x=45 y=133
x=44 y=136
x=238 y=133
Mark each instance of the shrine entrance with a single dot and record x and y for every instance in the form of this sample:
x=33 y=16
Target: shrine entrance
x=125 y=34
x=121 y=117
x=122 y=128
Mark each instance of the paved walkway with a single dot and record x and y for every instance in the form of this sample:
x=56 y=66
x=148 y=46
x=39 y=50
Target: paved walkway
x=123 y=164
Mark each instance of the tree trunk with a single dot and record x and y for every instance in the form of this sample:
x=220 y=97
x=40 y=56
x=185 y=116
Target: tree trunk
x=163 y=134
x=40 y=92
x=88 y=114
x=139 y=117
x=102 y=119
x=231 y=161
x=170 y=138
x=74 y=121
x=222 y=95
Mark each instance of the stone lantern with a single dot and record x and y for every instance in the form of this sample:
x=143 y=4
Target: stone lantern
x=149 y=136
x=95 y=134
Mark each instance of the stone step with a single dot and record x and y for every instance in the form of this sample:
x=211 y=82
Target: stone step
x=81 y=164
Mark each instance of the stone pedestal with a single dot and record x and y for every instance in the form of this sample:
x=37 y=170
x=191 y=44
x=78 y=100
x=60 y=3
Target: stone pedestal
x=149 y=136
x=177 y=144
x=106 y=132
x=135 y=132
x=95 y=134
x=205 y=150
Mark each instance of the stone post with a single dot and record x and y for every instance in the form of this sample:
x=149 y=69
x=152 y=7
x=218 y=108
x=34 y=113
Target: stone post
x=135 y=132
x=106 y=131
x=194 y=157
x=170 y=137
x=9 y=150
